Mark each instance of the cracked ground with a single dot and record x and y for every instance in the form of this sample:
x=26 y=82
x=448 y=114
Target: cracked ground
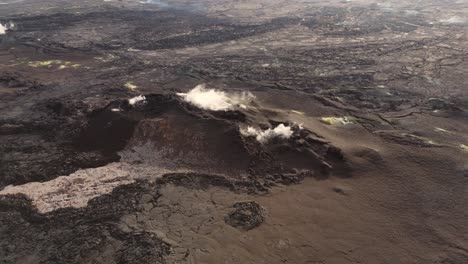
x=345 y=138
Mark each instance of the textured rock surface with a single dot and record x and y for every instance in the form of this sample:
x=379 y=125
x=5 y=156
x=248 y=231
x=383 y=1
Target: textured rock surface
x=371 y=95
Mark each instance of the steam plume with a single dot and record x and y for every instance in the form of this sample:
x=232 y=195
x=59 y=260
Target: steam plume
x=264 y=136
x=215 y=100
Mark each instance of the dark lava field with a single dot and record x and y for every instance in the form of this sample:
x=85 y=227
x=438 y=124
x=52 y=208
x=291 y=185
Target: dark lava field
x=217 y=131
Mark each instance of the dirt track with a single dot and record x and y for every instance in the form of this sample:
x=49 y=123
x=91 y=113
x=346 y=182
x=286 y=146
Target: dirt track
x=374 y=169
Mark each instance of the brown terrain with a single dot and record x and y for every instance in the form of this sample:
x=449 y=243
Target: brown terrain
x=262 y=131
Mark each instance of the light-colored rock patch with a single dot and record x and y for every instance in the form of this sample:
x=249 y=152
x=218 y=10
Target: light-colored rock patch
x=77 y=189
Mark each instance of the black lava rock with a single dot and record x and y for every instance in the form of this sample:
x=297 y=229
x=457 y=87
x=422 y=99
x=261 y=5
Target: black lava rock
x=246 y=215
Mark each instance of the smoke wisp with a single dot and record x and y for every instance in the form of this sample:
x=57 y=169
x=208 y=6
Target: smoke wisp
x=7 y=26
x=281 y=131
x=215 y=100
x=137 y=99
x=3 y=29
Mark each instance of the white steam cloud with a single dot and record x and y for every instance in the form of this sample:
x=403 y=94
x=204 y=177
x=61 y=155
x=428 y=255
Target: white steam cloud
x=3 y=29
x=135 y=100
x=281 y=131
x=215 y=100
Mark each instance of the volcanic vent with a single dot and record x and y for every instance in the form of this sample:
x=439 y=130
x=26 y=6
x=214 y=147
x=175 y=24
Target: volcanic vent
x=204 y=132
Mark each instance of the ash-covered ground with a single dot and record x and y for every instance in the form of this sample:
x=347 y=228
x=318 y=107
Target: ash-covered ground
x=264 y=131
